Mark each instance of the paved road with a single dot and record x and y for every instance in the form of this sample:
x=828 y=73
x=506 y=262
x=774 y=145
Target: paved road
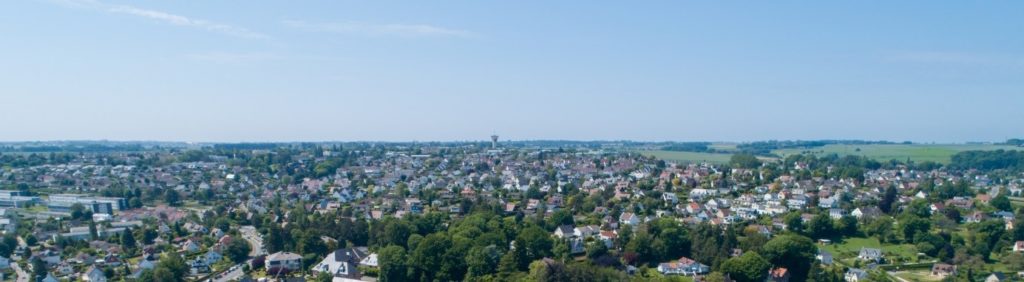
x=22 y=275
x=233 y=274
x=250 y=234
x=255 y=240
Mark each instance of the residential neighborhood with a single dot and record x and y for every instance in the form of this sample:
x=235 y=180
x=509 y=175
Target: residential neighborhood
x=354 y=212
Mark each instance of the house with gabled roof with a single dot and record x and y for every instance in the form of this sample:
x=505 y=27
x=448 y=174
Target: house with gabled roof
x=342 y=264
x=778 y=274
x=942 y=270
x=870 y=254
x=94 y=274
x=683 y=266
x=564 y=231
x=629 y=218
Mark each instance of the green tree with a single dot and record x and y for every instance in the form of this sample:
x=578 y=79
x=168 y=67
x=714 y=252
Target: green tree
x=396 y=232
x=324 y=277
x=512 y=262
x=882 y=228
x=237 y=250
x=172 y=198
x=794 y=223
x=820 y=226
x=847 y=225
x=561 y=250
x=482 y=260
x=596 y=250
x=393 y=266
x=1001 y=202
x=744 y=160
x=170 y=268
x=749 y=267
x=77 y=211
x=888 y=200
x=559 y=218
x=912 y=225
x=93 y=233
x=128 y=239
x=38 y=268
x=793 y=252
x=818 y=273
x=715 y=277
x=428 y=257
x=535 y=242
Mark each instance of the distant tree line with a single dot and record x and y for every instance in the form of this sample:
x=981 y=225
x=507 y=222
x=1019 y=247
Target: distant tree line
x=1015 y=142
x=78 y=148
x=688 y=147
x=989 y=160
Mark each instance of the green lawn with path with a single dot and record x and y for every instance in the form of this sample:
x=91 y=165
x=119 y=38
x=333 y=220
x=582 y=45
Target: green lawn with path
x=848 y=249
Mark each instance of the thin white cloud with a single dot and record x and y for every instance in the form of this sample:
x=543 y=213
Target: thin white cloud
x=231 y=57
x=959 y=58
x=402 y=30
x=164 y=17
x=186 y=21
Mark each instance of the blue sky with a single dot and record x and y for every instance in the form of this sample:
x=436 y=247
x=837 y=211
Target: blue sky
x=927 y=71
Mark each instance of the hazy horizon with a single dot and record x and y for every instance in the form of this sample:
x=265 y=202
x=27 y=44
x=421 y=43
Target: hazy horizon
x=893 y=142
x=921 y=71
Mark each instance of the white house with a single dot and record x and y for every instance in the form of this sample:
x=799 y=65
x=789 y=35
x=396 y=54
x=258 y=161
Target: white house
x=855 y=275
x=94 y=275
x=629 y=218
x=870 y=254
x=283 y=262
x=683 y=266
x=564 y=231
x=342 y=264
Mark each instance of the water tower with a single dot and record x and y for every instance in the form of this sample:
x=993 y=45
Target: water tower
x=494 y=141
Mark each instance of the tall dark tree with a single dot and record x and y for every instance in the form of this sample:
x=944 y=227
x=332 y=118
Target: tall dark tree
x=128 y=239
x=93 y=233
x=888 y=200
x=172 y=198
x=38 y=268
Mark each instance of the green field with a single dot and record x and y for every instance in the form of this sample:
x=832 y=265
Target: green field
x=688 y=157
x=939 y=153
x=850 y=247
x=729 y=147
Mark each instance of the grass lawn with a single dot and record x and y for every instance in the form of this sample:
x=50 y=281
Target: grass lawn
x=688 y=157
x=850 y=247
x=37 y=209
x=921 y=275
x=1016 y=202
x=939 y=153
